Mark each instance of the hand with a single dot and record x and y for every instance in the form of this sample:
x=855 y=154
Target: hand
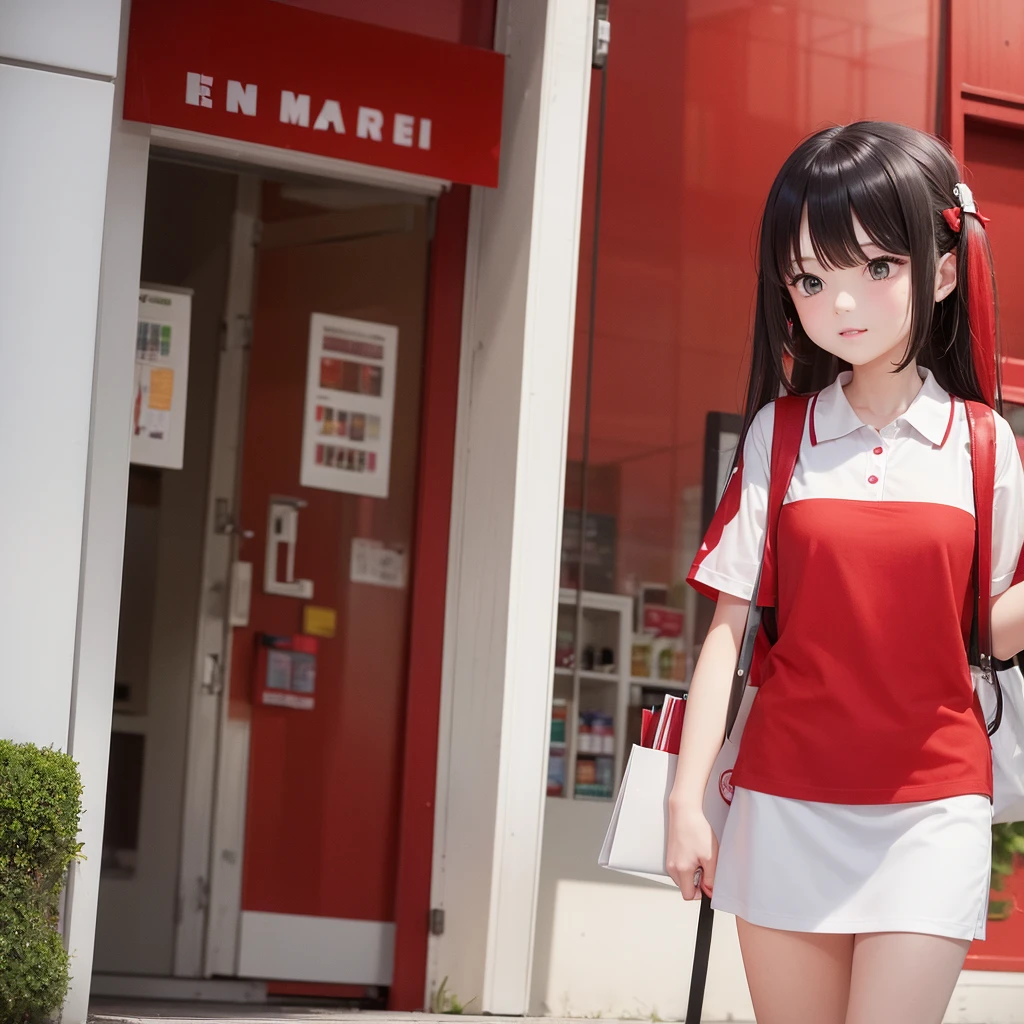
x=692 y=846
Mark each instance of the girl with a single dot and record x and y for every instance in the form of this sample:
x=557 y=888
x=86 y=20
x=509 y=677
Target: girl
x=856 y=852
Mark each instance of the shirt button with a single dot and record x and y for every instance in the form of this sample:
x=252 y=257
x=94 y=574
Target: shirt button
x=872 y=479
x=879 y=450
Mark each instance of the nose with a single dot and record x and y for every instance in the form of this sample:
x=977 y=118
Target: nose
x=845 y=303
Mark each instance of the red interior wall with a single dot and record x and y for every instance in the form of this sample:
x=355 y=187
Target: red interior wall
x=992 y=36
x=995 y=159
x=987 y=56
x=705 y=100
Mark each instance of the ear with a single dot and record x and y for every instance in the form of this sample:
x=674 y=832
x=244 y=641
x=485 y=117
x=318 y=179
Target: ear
x=945 y=275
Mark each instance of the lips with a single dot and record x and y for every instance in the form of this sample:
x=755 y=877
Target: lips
x=853 y=332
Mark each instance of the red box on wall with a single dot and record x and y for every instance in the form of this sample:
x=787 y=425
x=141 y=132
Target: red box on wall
x=285 y=671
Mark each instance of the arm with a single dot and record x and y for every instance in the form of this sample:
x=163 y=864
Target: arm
x=691 y=843
x=1007 y=623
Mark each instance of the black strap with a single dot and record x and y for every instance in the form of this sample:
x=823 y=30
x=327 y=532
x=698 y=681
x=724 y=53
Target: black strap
x=746 y=658
x=701 y=955
x=788 y=434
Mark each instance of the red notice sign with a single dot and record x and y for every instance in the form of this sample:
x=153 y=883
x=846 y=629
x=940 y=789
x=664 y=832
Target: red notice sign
x=267 y=72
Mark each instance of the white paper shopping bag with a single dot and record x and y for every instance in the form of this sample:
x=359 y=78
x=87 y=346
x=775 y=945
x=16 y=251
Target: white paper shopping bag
x=635 y=841
x=637 y=833
x=1007 y=740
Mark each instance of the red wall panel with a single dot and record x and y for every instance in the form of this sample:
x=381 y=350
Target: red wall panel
x=458 y=21
x=705 y=101
x=992 y=32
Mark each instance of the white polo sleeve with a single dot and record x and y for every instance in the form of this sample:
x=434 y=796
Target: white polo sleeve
x=1007 y=508
x=730 y=555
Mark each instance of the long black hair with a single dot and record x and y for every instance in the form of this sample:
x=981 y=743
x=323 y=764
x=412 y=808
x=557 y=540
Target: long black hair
x=898 y=181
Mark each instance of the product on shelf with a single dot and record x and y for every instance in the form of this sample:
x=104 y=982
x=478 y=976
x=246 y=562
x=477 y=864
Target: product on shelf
x=595 y=755
x=642 y=657
x=565 y=649
x=586 y=772
x=659 y=649
x=556 y=771
x=559 y=716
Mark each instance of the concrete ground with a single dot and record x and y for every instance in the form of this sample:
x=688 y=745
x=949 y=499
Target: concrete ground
x=111 y=1012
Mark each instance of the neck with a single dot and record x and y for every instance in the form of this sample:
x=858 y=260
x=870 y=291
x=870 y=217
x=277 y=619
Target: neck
x=880 y=396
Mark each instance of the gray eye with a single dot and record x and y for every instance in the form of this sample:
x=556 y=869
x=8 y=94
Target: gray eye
x=811 y=285
x=879 y=270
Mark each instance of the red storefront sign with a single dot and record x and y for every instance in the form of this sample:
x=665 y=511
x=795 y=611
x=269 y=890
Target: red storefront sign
x=270 y=73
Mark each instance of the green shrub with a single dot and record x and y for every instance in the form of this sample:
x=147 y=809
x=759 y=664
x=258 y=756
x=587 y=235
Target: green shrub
x=40 y=806
x=1007 y=849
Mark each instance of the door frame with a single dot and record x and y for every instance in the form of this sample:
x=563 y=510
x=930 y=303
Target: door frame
x=210 y=736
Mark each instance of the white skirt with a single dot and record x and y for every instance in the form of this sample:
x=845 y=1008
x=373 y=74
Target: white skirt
x=803 y=866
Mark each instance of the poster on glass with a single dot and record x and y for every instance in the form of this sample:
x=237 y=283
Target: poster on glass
x=161 y=377
x=350 y=401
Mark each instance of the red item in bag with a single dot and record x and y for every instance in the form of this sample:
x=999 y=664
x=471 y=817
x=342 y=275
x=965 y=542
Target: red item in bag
x=648 y=727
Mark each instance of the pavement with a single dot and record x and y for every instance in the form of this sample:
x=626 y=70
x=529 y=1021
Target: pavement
x=191 y=1013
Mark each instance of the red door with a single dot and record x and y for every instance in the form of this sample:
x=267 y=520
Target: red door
x=322 y=819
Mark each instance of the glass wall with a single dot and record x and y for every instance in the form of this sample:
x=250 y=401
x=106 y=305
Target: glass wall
x=705 y=99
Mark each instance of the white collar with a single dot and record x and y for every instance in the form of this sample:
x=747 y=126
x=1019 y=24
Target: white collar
x=930 y=413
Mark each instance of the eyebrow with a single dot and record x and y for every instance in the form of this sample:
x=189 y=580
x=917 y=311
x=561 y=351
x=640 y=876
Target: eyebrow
x=811 y=259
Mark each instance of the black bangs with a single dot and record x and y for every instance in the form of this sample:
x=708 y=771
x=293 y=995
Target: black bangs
x=840 y=178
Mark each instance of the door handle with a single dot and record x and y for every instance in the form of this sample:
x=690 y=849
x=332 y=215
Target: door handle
x=283 y=532
x=213 y=675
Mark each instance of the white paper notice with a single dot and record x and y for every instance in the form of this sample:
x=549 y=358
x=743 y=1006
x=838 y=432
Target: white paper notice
x=374 y=563
x=161 y=378
x=350 y=405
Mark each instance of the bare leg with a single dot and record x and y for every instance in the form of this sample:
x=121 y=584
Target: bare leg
x=903 y=978
x=797 y=977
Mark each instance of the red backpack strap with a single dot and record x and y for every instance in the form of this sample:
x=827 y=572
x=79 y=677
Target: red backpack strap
x=790 y=419
x=982 y=427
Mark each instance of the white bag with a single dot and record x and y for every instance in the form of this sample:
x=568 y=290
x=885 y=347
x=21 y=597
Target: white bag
x=635 y=841
x=1007 y=742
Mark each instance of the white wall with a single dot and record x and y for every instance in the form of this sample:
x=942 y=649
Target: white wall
x=506 y=510
x=57 y=95
x=74 y=35
x=57 y=99
x=613 y=946
x=53 y=181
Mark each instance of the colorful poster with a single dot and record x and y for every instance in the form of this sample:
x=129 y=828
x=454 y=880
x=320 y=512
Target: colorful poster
x=350 y=404
x=161 y=377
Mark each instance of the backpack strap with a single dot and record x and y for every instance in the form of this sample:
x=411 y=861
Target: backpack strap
x=788 y=433
x=790 y=420
x=981 y=426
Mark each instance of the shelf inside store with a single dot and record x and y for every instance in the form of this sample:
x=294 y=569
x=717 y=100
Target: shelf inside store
x=590 y=675
x=652 y=683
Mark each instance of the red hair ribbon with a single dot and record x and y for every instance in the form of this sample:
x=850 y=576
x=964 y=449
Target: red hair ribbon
x=981 y=298
x=952 y=218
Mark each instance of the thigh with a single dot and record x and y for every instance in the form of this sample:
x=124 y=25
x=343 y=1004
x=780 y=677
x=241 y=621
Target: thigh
x=903 y=978
x=796 y=977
